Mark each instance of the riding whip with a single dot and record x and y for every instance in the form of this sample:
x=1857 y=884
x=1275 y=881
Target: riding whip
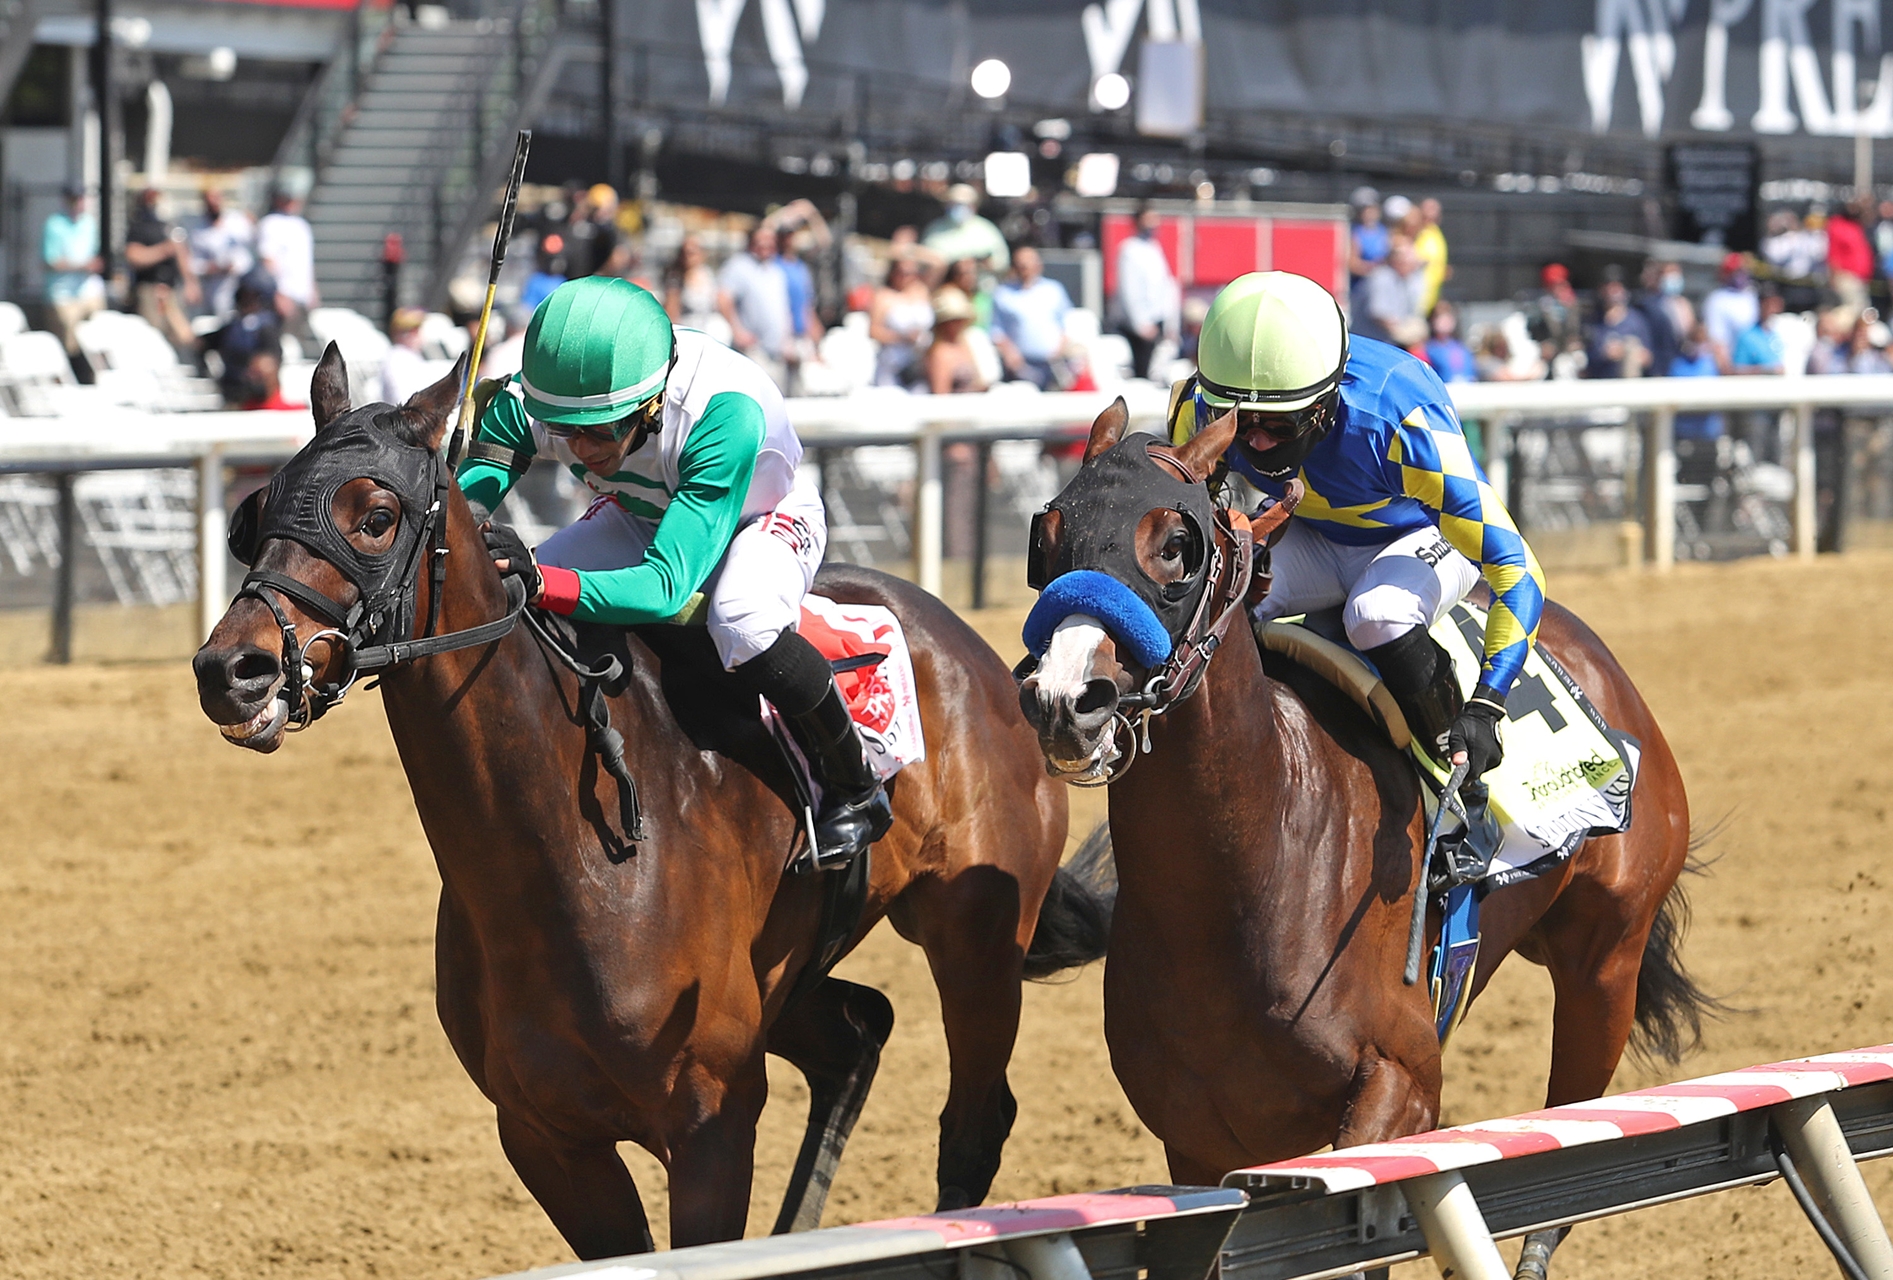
x=501 y=235
x=1416 y=930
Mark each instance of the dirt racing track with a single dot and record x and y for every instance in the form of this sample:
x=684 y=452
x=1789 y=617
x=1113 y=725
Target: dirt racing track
x=219 y=1057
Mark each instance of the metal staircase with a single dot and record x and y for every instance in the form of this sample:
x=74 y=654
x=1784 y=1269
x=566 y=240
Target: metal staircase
x=409 y=132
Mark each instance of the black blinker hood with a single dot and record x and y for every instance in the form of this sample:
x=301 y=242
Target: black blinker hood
x=298 y=502
x=1102 y=507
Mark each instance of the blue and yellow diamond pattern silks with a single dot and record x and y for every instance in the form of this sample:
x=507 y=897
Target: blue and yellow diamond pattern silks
x=1395 y=461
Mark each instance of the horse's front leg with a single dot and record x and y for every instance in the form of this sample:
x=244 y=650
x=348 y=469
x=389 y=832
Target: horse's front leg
x=1389 y=1100
x=583 y=1187
x=713 y=1152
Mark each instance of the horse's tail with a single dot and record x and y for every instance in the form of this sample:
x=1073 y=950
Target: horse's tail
x=1075 y=921
x=1670 y=1006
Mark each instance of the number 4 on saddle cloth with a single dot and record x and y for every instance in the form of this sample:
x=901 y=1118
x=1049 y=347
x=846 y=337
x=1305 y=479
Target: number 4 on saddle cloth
x=1566 y=776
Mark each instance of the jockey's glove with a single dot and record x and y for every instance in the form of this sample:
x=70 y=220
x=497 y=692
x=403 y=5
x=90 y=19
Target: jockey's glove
x=1476 y=732
x=483 y=392
x=514 y=557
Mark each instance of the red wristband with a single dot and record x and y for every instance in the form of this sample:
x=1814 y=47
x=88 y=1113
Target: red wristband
x=560 y=592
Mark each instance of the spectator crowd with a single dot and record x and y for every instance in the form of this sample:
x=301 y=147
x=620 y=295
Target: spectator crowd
x=956 y=305
x=222 y=287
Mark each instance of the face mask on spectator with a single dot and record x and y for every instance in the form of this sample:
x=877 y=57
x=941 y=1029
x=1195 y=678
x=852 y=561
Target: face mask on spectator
x=1673 y=284
x=958 y=212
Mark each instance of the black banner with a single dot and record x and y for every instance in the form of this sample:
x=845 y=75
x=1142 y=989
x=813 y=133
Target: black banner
x=1675 y=70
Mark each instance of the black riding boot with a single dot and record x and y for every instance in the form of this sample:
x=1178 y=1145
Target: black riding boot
x=854 y=811
x=1418 y=672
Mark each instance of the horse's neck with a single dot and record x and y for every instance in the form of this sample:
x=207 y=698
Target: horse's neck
x=477 y=729
x=1217 y=770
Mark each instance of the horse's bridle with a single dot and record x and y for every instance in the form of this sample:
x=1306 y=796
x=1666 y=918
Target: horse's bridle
x=384 y=608
x=1176 y=680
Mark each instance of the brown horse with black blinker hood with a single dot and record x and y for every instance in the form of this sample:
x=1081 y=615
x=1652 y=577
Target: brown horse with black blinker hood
x=1268 y=840
x=600 y=992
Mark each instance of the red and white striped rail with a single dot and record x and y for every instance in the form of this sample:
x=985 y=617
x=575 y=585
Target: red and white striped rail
x=1621 y=1115
x=1428 y=1167
x=1448 y=1193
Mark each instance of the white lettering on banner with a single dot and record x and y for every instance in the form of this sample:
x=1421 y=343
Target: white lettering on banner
x=1109 y=27
x=1787 y=54
x=1712 y=113
x=785 y=30
x=1643 y=26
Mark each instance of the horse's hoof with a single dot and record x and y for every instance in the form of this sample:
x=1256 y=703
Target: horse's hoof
x=952 y=1198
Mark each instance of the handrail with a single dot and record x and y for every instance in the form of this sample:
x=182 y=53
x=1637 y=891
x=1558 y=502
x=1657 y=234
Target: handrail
x=533 y=63
x=326 y=106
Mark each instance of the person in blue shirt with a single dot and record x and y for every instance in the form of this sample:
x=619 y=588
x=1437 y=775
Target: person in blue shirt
x=1029 y=320
x=1696 y=358
x=1397 y=522
x=1759 y=350
x=1451 y=359
x=69 y=246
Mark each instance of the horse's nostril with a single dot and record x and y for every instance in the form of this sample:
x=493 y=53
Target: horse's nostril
x=253 y=666
x=1098 y=699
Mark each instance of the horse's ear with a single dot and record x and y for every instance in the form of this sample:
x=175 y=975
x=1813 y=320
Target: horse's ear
x=1108 y=429
x=328 y=389
x=429 y=410
x=1203 y=450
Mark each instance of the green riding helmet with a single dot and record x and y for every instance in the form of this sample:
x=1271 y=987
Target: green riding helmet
x=1272 y=341
x=596 y=351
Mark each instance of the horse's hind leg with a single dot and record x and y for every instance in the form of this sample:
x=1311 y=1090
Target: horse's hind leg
x=833 y=1035
x=585 y=1190
x=1593 y=937
x=969 y=927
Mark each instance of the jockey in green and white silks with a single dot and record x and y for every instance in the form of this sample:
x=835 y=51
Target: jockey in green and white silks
x=689 y=448
x=1398 y=521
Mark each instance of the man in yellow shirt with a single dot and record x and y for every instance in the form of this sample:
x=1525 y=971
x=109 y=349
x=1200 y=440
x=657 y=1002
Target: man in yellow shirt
x=1429 y=245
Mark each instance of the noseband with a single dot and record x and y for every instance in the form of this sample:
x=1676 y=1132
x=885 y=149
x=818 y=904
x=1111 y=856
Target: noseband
x=375 y=632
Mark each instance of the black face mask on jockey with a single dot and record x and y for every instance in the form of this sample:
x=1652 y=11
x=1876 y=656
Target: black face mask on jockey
x=1283 y=458
x=298 y=506
x=1102 y=507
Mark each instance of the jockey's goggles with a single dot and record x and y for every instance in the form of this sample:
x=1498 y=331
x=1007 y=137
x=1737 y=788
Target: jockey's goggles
x=1278 y=425
x=639 y=419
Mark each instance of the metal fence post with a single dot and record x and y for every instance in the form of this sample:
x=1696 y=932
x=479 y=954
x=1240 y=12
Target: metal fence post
x=981 y=465
x=1455 y=1230
x=1825 y=1162
x=928 y=509
x=68 y=517
x=1806 y=508
x=212 y=520
x=1659 y=469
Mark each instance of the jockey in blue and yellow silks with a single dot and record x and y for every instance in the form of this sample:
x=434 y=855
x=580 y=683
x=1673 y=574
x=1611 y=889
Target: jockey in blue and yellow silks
x=1398 y=521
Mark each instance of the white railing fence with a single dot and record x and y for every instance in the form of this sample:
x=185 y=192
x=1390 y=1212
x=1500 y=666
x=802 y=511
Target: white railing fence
x=209 y=443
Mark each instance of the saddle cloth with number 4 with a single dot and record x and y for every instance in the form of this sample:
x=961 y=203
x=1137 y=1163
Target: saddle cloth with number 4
x=1567 y=775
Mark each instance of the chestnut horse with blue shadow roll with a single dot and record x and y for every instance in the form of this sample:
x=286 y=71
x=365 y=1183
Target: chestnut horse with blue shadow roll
x=1267 y=848
x=600 y=990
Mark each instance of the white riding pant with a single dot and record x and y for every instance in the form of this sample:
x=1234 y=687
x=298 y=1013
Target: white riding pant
x=756 y=590
x=1386 y=589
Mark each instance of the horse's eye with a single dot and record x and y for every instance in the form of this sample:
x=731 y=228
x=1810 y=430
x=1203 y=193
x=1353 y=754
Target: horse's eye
x=1179 y=543
x=379 y=521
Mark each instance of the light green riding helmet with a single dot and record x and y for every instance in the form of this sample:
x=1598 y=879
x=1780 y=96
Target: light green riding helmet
x=596 y=350
x=1272 y=340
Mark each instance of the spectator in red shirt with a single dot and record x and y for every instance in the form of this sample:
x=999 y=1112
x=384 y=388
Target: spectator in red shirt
x=1849 y=256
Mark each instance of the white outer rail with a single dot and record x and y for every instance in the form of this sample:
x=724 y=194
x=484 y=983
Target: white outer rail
x=207 y=441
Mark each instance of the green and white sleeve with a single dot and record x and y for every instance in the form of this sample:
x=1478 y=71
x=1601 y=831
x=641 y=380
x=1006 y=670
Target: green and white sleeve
x=486 y=474
x=714 y=471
